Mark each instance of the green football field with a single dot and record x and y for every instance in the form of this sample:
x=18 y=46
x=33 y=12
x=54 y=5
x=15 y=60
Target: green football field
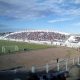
x=9 y=46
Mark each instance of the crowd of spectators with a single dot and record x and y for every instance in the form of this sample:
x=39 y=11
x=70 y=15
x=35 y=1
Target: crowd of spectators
x=77 y=39
x=38 y=36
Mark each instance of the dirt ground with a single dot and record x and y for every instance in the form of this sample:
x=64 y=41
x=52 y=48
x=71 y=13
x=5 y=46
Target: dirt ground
x=37 y=57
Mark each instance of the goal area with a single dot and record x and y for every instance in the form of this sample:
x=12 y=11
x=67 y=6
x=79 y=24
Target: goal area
x=10 y=49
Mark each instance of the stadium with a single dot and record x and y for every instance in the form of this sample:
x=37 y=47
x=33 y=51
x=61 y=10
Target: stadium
x=38 y=51
x=39 y=39
x=45 y=37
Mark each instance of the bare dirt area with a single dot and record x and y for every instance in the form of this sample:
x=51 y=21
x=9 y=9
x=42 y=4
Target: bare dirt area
x=37 y=57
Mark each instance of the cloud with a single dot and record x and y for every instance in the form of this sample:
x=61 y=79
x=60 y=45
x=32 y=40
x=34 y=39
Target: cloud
x=30 y=9
x=77 y=1
x=59 y=20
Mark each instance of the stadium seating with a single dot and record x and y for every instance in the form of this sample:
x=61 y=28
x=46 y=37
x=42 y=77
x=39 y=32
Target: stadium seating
x=38 y=36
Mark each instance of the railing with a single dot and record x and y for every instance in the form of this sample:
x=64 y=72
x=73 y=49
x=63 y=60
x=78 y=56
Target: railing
x=61 y=66
x=58 y=65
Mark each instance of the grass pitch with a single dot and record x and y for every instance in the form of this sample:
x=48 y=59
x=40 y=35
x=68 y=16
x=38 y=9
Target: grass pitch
x=23 y=46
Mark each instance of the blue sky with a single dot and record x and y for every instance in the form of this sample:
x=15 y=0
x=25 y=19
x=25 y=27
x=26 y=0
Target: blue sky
x=59 y=15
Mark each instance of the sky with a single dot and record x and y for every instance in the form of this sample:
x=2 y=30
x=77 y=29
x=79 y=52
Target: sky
x=56 y=15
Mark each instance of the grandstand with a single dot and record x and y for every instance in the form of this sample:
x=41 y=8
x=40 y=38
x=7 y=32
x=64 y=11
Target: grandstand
x=45 y=37
x=37 y=36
